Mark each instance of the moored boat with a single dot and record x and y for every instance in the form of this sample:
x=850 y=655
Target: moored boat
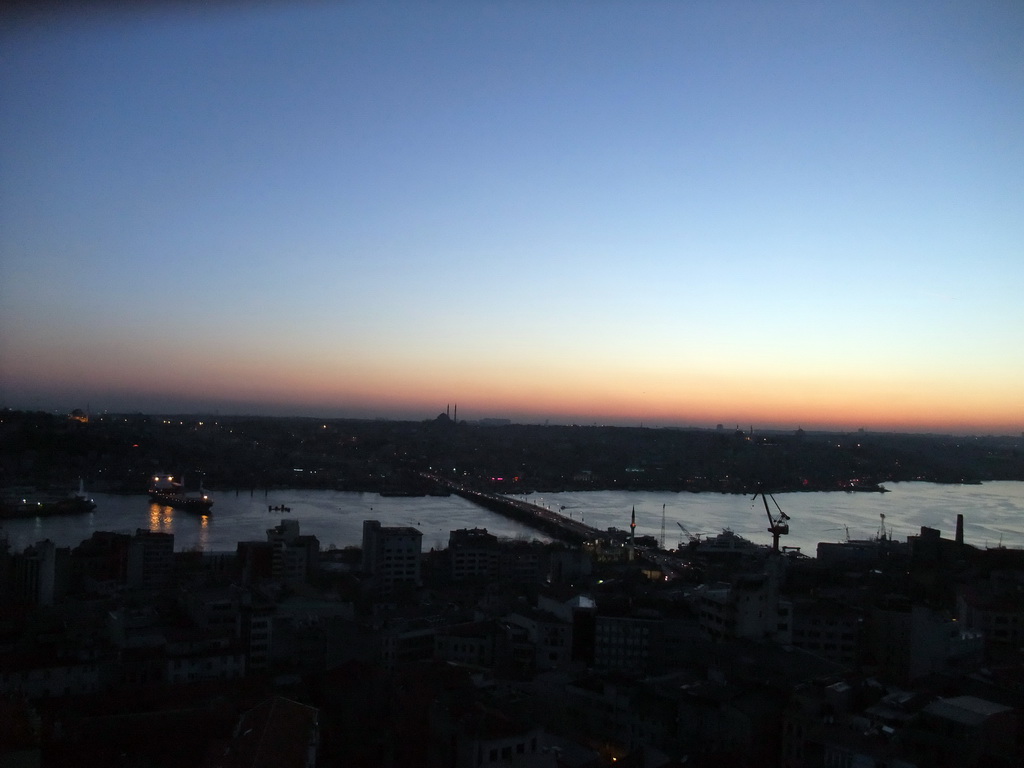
x=31 y=504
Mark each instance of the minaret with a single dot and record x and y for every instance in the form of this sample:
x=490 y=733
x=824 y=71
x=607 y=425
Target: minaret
x=632 y=533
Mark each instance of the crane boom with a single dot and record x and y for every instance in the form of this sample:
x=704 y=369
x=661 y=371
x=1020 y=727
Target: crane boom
x=777 y=526
x=693 y=537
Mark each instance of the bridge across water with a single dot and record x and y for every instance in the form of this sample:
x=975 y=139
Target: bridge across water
x=556 y=525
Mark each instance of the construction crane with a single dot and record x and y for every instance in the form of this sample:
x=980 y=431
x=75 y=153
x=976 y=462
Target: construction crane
x=777 y=526
x=693 y=537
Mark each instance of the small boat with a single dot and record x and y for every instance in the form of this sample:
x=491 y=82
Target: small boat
x=164 y=489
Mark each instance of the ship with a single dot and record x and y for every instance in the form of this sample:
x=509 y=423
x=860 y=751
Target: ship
x=165 y=490
x=730 y=543
x=31 y=505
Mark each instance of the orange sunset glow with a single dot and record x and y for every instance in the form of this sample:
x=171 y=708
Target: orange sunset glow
x=668 y=215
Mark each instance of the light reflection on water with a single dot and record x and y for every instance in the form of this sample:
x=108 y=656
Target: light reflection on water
x=161 y=518
x=993 y=512
x=204 y=532
x=335 y=518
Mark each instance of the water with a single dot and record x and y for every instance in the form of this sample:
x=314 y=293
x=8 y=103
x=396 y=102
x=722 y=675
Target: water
x=993 y=515
x=334 y=517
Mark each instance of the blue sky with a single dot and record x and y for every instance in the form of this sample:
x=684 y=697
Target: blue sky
x=667 y=213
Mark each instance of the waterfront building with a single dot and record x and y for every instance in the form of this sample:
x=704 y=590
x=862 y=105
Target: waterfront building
x=293 y=556
x=391 y=555
x=473 y=553
x=150 y=559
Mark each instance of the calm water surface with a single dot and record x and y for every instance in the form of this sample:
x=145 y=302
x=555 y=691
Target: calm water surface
x=993 y=514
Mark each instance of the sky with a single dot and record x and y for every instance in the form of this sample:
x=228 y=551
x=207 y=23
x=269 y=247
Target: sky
x=781 y=215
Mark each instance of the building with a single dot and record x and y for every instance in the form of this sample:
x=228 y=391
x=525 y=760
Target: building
x=391 y=556
x=256 y=629
x=150 y=559
x=192 y=657
x=473 y=553
x=626 y=643
x=473 y=734
x=747 y=608
x=962 y=732
x=278 y=732
x=471 y=643
x=907 y=642
x=29 y=677
x=826 y=628
x=41 y=573
x=101 y=560
x=994 y=607
x=293 y=556
x=550 y=636
x=523 y=561
x=254 y=560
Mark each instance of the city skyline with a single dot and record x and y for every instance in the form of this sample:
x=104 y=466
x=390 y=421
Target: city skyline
x=781 y=215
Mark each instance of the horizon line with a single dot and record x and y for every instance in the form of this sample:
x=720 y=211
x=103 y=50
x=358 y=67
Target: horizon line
x=749 y=429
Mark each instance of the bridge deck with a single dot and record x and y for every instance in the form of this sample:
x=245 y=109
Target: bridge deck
x=556 y=525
